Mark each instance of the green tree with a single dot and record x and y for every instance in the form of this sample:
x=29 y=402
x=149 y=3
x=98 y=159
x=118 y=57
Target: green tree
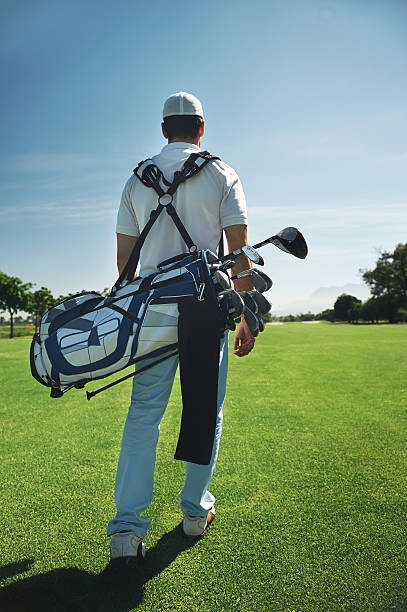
x=13 y=296
x=306 y=316
x=388 y=282
x=346 y=308
x=370 y=310
x=326 y=315
x=38 y=302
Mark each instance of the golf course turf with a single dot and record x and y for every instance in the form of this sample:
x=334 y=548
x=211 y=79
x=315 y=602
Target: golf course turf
x=310 y=485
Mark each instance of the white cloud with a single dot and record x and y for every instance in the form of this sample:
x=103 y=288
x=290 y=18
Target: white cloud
x=68 y=211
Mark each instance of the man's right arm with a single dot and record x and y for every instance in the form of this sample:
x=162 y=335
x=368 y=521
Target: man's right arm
x=127 y=229
x=236 y=236
x=125 y=245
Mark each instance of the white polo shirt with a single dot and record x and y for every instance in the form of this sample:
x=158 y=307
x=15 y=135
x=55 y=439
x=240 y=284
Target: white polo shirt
x=206 y=203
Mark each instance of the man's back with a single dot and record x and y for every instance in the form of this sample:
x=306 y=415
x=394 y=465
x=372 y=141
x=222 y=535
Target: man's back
x=206 y=203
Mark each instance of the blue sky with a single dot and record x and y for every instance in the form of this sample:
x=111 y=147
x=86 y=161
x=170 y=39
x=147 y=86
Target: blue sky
x=305 y=99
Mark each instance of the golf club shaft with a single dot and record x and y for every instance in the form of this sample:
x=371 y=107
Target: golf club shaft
x=263 y=243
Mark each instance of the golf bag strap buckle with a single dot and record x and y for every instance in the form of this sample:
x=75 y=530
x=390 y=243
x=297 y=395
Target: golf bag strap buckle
x=165 y=199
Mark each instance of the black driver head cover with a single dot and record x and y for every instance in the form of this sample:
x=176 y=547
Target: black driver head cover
x=292 y=241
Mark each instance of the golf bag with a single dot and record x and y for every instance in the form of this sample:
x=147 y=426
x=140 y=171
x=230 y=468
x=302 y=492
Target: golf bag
x=87 y=337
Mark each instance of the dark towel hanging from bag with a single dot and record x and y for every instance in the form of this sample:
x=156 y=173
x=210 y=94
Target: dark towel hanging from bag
x=200 y=327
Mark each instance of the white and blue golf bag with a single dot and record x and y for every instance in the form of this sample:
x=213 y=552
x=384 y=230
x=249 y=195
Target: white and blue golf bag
x=87 y=337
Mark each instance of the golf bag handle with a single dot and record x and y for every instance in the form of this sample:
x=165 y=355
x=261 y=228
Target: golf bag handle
x=171 y=260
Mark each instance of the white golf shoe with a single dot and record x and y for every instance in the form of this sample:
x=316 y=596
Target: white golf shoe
x=196 y=526
x=126 y=550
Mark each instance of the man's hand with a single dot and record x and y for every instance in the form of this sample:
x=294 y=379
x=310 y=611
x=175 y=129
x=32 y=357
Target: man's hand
x=244 y=341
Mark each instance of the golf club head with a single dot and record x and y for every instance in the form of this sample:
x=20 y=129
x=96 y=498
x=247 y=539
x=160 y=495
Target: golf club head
x=261 y=324
x=263 y=305
x=211 y=257
x=231 y=303
x=227 y=264
x=253 y=255
x=291 y=241
x=249 y=301
x=260 y=281
x=252 y=321
x=267 y=279
x=221 y=280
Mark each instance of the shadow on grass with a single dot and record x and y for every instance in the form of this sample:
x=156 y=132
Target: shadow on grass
x=74 y=590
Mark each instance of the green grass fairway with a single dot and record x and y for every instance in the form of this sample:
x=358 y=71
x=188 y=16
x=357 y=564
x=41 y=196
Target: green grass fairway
x=310 y=485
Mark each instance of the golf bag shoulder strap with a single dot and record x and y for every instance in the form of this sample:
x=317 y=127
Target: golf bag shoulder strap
x=150 y=175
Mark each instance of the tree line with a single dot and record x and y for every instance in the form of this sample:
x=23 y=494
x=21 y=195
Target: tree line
x=16 y=296
x=387 y=282
x=388 y=288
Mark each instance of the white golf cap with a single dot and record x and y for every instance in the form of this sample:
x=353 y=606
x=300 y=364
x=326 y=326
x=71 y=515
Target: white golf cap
x=182 y=103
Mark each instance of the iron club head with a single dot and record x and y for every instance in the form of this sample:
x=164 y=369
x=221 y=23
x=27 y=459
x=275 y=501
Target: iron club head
x=263 y=305
x=252 y=321
x=249 y=301
x=260 y=281
x=253 y=255
x=231 y=303
x=267 y=279
x=221 y=280
x=228 y=261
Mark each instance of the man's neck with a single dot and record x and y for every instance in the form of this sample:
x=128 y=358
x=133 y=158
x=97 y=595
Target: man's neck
x=195 y=141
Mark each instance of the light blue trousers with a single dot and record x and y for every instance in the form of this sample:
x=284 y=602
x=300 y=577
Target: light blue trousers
x=135 y=470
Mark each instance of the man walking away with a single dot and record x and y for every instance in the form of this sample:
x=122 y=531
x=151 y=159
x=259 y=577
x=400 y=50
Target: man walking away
x=207 y=204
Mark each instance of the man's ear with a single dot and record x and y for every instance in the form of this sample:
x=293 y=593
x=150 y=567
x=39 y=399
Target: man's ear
x=201 y=129
x=164 y=131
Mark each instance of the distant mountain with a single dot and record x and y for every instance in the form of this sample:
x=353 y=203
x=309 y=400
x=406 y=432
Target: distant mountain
x=322 y=298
